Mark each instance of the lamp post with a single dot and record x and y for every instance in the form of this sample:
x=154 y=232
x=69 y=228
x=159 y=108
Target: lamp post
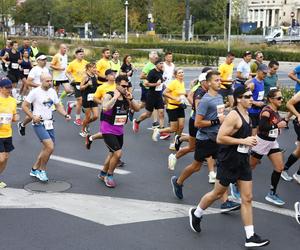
x=187 y=20
x=126 y=21
x=229 y=24
x=48 y=14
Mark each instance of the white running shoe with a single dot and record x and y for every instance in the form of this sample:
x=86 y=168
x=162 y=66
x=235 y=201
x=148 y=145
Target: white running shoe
x=212 y=177
x=172 y=146
x=296 y=177
x=297 y=211
x=172 y=161
x=285 y=175
x=155 y=134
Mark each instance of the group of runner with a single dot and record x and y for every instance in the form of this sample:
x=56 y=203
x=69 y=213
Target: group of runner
x=235 y=121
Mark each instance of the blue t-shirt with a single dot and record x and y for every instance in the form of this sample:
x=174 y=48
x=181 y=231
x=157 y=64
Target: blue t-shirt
x=297 y=72
x=207 y=108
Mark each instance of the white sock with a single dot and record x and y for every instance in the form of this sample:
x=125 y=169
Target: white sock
x=199 y=212
x=249 y=231
x=91 y=138
x=77 y=117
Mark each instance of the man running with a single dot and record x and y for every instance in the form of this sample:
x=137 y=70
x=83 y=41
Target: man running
x=235 y=139
x=271 y=80
x=243 y=69
x=34 y=52
x=115 y=63
x=295 y=76
x=8 y=114
x=42 y=98
x=169 y=68
x=102 y=65
x=259 y=58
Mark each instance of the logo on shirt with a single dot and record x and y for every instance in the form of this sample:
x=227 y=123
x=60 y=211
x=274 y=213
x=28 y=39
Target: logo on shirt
x=48 y=103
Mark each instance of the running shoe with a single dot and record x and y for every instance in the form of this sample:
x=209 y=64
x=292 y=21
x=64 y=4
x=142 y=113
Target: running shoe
x=130 y=115
x=177 y=142
x=2 y=184
x=228 y=206
x=212 y=177
x=274 y=198
x=235 y=194
x=155 y=125
x=256 y=241
x=194 y=221
x=164 y=136
x=296 y=177
x=135 y=126
x=172 y=146
x=177 y=189
x=42 y=176
x=155 y=134
x=88 y=142
x=83 y=134
x=34 y=172
x=297 y=211
x=78 y=122
x=285 y=175
x=121 y=164
x=109 y=181
x=21 y=129
x=172 y=162
x=102 y=175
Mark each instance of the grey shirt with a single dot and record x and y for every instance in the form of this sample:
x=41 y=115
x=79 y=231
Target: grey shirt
x=207 y=108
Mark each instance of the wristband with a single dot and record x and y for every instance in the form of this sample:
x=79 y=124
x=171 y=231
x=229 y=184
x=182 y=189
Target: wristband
x=215 y=122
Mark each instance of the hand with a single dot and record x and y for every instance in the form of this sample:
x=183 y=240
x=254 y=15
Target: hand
x=250 y=141
x=117 y=94
x=281 y=124
x=68 y=118
x=16 y=117
x=128 y=95
x=259 y=104
x=36 y=119
x=221 y=118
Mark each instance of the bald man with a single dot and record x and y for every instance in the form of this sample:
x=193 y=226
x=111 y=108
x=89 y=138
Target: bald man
x=42 y=98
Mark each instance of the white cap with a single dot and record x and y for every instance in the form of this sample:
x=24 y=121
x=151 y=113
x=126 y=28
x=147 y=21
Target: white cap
x=202 y=77
x=41 y=57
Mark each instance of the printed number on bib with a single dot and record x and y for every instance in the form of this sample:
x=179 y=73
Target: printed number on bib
x=14 y=65
x=260 y=95
x=120 y=120
x=273 y=133
x=90 y=97
x=5 y=118
x=77 y=86
x=26 y=71
x=244 y=149
x=159 y=87
x=48 y=124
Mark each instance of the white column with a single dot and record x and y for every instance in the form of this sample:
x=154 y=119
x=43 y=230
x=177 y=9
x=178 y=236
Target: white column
x=273 y=18
x=264 y=18
x=258 y=18
x=252 y=16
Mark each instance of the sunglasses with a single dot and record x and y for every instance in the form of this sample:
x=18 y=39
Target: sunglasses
x=279 y=98
x=124 y=86
x=247 y=96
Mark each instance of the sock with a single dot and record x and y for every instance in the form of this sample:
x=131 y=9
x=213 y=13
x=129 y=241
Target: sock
x=109 y=174
x=291 y=160
x=103 y=173
x=77 y=117
x=249 y=231
x=138 y=122
x=199 y=212
x=274 y=181
x=63 y=95
x=91 y=138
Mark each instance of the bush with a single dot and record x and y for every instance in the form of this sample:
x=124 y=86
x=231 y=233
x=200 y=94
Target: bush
x=287 y=93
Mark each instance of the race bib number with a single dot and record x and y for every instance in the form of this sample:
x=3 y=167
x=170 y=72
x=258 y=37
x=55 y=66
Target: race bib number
x=274 y=133
x=159 y=88
x=260 y=95
x=244 y=149
x=26 y=71
x=77 y=86
x=48 y=124
x=5 y=118
x=120 y=120
x=14 y=65
x=90 y=97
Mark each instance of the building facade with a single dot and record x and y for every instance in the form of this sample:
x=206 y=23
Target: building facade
x=273 y=13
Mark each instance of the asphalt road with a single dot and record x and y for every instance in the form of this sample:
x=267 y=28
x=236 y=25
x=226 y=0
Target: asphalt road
x=141 y=212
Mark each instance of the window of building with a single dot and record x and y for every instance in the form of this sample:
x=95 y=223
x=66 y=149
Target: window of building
x=283 y=13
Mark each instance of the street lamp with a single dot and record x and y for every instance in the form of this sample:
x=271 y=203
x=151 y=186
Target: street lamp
x=126 y=21
x=229 y=24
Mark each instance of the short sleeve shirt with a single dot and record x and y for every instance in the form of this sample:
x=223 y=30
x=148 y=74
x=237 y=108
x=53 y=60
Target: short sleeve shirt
x=177 y=89
x=8 y=108
x=77 y=69
x=244 y=68
x=36 y=72
x=103 y=89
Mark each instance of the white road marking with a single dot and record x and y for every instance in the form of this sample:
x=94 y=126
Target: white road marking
x=85 y=164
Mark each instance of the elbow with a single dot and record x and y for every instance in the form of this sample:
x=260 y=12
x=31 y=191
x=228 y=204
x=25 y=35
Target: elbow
x=219 y=139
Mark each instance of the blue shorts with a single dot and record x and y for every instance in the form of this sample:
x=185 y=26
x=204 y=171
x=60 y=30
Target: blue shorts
x=297 y=88
x=42 y=133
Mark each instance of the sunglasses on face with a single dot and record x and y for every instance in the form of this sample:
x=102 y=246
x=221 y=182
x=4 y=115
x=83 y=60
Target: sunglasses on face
x=279 y=98
x=124 y=86
x=247 y=96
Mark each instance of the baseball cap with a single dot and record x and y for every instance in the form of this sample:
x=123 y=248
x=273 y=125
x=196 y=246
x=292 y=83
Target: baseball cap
x=247 y=53
x=202 y=77
x=5 y=82
x=239 y=91
x=109 y=71
x=79 y=50
x=263 y=68
x=40 y=56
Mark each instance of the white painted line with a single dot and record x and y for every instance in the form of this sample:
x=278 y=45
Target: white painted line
x=85 y=164
x=274 y=209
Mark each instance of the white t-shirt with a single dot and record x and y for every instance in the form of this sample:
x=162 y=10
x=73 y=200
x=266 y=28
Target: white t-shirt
x=42 y=101
x=36 y=72
x=59 y=75
x=168 y=72
x=244 y=68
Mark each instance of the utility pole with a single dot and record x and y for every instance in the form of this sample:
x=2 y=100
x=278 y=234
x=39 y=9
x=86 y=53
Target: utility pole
x=187 y=20
x=229 y=24
x=126 y=21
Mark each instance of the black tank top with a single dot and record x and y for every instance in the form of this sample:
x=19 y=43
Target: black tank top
x=273 y=120
x=13 y=58
x=229 y=152
x=91 y=89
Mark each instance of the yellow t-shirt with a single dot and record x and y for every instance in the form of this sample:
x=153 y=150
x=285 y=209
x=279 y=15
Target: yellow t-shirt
x=177 y=89
x=76 y=69
x=8 y=108
x=115 y=66
x=103 y=89
x=226 y=71
x=102 y=65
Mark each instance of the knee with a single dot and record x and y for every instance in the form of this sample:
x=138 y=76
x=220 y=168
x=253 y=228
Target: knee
x=4 y=157
x=180 y=127
x=247 y=198
x=118 y=154
x=196 y=166
x=49 y=148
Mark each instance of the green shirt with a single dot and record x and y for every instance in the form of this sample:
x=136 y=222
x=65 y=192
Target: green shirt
x=269 y=82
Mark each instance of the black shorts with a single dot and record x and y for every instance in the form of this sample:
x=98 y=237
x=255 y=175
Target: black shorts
x=175 y=114
x=22 y=76
x=254 y=119
x=144 y=94
x=77 y=91
x=113 y=142
x=88 y=104
x=297 y=129
x=13 y=76
x=58 y=83
x=225 y=92
x=6 y=145
x=192 y=129
x=154 y=102
x=231 y=172
x=205 y=149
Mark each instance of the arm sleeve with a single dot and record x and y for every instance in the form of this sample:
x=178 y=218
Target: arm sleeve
x=264 y=124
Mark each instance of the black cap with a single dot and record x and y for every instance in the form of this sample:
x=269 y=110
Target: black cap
x=239 y=91
x=79 y=50
x=205 y=69
x=110 y=71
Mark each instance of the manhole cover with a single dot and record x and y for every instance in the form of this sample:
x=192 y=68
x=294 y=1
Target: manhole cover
x=51 y=186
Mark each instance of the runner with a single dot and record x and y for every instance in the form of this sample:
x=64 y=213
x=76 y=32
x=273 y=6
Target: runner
x=297 y=211
x=259 y=58
x=25 y=68
x=42 y=98
x=13 y=58
x=169 y=68
x=243 y=69
x=226 y=71
x=75 y=72
x=8 y=114
x=102 y=65
x=59 y=66
x=114 y=115
x=269 y=128
x=88 y=87
x=25 y=47
x=115 y=63
x=4 y=51
x=34 y=52
x=293 y=106
x=127 y=69
x=271 y=80
x=34 y=80
x=295 y=76
x=235 y=139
